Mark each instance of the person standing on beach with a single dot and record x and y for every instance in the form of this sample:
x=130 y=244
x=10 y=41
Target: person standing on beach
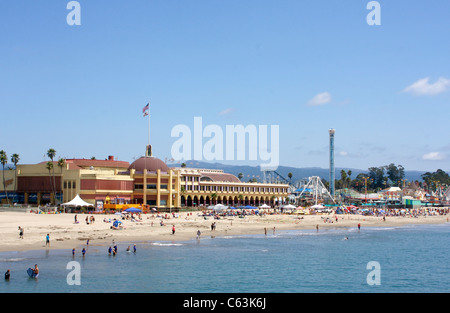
x=47 y=240
x=198 y=234
x=173 y=229
x=83 y=251
x=317 y=227
x=134 y=248
x=20 y=232
x=73 y=252
x=359 y=226
x=7 y=274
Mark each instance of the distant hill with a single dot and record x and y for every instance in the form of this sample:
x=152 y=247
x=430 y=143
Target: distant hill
x=250 y=172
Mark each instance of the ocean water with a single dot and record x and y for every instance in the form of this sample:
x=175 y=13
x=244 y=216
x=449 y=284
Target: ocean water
x=410 y=259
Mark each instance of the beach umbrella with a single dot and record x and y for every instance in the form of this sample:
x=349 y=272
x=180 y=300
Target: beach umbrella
x=219 y=207
x=133 y=210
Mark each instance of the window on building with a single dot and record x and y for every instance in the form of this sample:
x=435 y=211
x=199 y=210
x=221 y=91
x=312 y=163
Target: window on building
x=151 y=186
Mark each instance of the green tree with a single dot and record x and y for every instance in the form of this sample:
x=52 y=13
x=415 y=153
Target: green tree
x=290 y=177
x=435 y=179
x=240 y=197
x=376 y=174
x=213 y=197
x=343 y=180
x=240 y=175
x=61 y=164
x=51 y=153
x=49 y=167
x=15 y=158
x=349 y=178
x=4 y=160
x=395 y=173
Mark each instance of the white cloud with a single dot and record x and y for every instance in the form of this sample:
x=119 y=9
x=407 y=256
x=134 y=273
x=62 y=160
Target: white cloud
x=226 y=112
x=434 y=156
x=319 y=99
x=423 y=87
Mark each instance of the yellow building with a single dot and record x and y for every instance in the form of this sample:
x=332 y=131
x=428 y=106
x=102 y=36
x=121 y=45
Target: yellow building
x=148 y=180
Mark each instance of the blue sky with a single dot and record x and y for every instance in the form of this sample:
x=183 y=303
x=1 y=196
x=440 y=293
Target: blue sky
x=306 y=66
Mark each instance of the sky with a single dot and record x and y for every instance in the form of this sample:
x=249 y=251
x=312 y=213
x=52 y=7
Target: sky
x=304 y=66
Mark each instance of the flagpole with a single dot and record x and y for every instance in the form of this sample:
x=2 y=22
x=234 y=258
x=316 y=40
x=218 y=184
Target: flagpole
x=149 y=123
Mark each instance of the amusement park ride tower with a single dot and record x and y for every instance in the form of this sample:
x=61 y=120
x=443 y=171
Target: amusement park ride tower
x=332 y=171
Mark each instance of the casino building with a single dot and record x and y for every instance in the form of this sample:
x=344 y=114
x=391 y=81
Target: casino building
x=148 y=180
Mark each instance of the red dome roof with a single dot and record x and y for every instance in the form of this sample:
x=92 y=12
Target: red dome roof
x=150 y=163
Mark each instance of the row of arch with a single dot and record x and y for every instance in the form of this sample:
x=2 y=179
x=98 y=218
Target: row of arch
x=227 y=200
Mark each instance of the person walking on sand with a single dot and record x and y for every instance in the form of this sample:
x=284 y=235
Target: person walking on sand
x=198 y=234
x=317 y=227
x=20 y=232
x=173 y=229
x=47 y=240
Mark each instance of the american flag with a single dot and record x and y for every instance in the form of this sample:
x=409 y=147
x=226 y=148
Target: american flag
x=145 y=109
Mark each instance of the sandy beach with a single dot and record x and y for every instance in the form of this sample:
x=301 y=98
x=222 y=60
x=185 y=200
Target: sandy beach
x=66 y=234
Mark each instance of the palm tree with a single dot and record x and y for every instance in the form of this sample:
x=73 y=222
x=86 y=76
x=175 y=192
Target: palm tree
x=214 y=197
x=290 y=177
x=49 y=167
x=273 y=199
x=61 y=163
x=51 y=153
x=15 y=159
x=4 y=160
x=240 y=197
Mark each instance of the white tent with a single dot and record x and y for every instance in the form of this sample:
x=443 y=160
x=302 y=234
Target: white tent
x=77 y=201
x=264 y=206
x=218 y=207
